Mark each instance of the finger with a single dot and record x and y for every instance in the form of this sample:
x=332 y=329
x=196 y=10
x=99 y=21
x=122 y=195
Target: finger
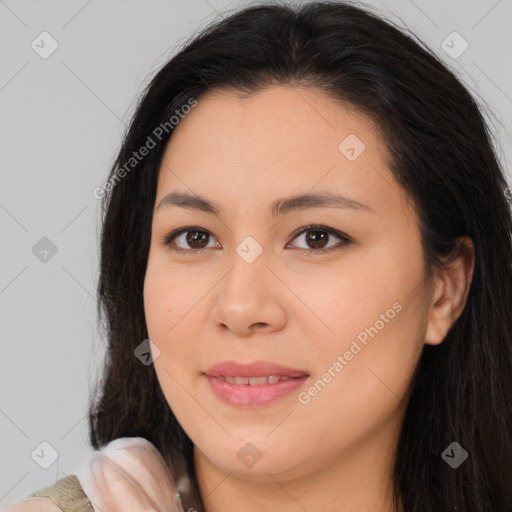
x=118 y=492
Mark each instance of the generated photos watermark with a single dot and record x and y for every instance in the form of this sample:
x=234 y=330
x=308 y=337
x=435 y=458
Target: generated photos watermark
x=152 y=141
x=305 y=397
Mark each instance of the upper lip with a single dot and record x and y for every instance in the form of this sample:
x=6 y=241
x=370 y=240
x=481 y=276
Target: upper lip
x=256 y=369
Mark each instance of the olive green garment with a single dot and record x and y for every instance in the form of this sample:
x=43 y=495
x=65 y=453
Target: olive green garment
x=67 y=494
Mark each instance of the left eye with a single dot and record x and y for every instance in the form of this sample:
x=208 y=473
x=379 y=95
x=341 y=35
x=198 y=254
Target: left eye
x=317 y=237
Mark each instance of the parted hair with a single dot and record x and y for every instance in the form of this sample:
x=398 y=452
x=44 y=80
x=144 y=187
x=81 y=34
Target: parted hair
x=440 y=152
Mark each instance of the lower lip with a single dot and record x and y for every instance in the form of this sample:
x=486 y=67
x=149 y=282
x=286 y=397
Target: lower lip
x=254 y=396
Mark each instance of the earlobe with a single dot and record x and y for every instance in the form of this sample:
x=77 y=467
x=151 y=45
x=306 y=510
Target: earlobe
x=451 y=288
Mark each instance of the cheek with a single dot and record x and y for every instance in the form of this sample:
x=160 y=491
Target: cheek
x=363 y=373
x=158 y=306
x=344 y=304
x=165 y=312
x=376 y=319
x=169 y=296
x=174 y=319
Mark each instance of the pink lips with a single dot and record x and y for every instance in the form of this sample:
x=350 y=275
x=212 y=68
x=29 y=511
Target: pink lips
x=247 y=395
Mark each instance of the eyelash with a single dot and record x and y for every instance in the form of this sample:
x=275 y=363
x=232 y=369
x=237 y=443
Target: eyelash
x=344 y=239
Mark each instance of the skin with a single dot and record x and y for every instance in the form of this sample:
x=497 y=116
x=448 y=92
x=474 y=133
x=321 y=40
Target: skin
x=296 y=309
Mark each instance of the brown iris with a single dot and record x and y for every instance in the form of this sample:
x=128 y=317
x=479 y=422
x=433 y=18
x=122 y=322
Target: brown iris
x=197 y=237
x=316 y=238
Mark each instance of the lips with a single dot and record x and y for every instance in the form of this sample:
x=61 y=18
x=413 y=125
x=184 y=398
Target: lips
x=258 y=369
x=253 y=385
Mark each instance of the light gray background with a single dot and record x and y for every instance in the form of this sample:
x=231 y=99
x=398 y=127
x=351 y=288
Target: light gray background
x=61 y=125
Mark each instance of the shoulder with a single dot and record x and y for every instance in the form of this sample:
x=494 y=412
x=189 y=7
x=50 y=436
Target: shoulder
x=65 y=495
x=131 y=465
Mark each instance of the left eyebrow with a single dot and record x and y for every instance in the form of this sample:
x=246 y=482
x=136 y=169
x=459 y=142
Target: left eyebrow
x=277 y=208
x=305 y=201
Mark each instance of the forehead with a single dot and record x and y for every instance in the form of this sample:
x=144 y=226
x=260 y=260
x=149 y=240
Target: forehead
x=279 y=140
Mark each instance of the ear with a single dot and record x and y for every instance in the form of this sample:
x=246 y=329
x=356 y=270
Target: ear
x=451 y=288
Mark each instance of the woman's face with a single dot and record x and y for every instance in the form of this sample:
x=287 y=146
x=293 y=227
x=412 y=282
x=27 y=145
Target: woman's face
x=349 y=317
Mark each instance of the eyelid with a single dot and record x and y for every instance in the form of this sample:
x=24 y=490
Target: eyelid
x=344 y=239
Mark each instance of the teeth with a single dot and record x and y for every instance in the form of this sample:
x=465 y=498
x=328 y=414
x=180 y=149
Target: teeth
x=253 y=381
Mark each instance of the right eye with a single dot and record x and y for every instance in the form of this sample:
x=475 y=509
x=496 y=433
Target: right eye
x=195 y=237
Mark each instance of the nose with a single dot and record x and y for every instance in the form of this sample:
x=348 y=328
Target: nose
x=250 y=298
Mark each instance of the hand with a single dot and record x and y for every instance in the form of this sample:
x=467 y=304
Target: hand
x=129 y=478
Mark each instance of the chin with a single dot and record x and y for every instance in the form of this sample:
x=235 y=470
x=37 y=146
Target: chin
x=258 y=462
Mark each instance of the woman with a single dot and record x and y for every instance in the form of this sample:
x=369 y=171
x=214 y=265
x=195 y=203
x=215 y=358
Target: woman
x=308 y=221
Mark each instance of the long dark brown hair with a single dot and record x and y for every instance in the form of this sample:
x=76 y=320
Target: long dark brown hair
x=441 y=154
